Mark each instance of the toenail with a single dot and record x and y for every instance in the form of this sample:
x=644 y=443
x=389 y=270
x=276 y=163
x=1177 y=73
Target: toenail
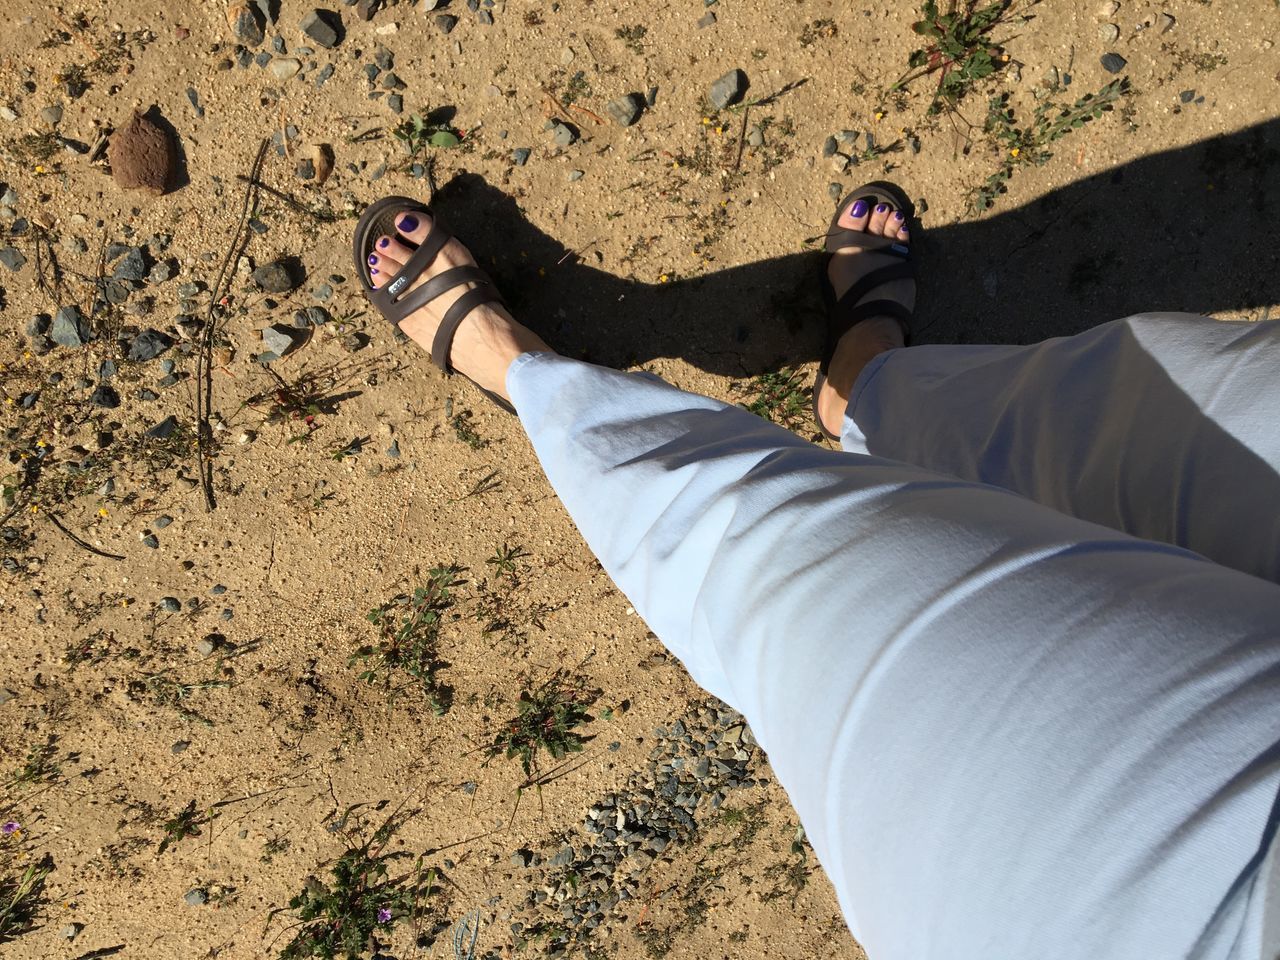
x=859 y=209
x=897 y=215
x=373 y=270
x=882 y=208
x=373 y=258
x=408 y=223
x=383 y=242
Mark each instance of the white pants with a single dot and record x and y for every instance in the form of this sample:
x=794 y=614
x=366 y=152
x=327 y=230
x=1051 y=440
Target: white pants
x=1009 y=730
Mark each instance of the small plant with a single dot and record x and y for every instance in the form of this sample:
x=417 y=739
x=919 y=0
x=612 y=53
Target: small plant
x=187 y=822
x=780 y=396
x=464 y=431
x=22 y=880
x=960 y=49
x=342 y=918
x=352 y=448
x=410 y=634
x=546 y=720
x=40 y=765
x=817 y=30
x=419 y=132
x=505 y=558
x=632 y=36
x=1020 y=146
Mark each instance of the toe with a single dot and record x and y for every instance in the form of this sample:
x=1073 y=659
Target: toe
x=902 y=233
x=382 y=267
x=856 y=215
x=413 y=225
x=879 y=217
x=393 y=248
x=894 y=223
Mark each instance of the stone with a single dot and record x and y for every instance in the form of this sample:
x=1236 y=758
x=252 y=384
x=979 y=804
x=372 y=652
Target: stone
x=196 y=897
x=365 y=9
x=52 y=115
x=520 y=156
x=179 y=746
x=708 y=19
x=626 y=109
x=282 y=68
x=104 y=397
x=69 y=328
x=275 y=277
x=164 y=429
x=522 y=858
x=563 y=135
x=205 y=646
x=12 y=258
x=71 y=930
x=246 y=24
x=305 y=169
x=322 y=27
x=132 y=266
x=148 y=344
x=573 y=176
x=755 y=137
x=1113 y=62
x=1165 y=22
x=279 y=339
x=170 y=604
x=484 y=18
x=1109 y=32
x=1186 y=96
x=1107 y=9
x=829 y=147
x=142 y=156
x=728 y=89
x=446 y=22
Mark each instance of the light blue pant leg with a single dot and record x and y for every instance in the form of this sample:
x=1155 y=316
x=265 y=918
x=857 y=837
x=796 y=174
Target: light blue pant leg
x=1009 y=733
x=1166 y=426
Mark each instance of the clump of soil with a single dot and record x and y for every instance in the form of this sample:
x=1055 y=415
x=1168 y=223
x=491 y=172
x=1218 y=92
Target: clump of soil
x=142 y=156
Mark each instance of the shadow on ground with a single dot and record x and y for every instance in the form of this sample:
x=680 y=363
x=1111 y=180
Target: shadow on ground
x=1184 y=230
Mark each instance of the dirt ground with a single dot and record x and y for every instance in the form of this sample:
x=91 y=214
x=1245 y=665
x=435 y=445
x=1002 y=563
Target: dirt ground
x=177 y=775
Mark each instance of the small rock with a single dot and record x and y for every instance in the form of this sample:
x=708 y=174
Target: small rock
x=148 y=344
x=179 y=746
x=708 y=19
x=835 y=191
x=305 y=169
x=142 y=156
x=446 y=22
x=246 y=24
x=162 y=521
x=625 y=110
x=521 y=858
x=279 y=339
x=574 y=176
x=275 y=277
x=170 y=604
x=104 y=397
x=164 y=429
x=728 y=89
x=206 y=645
x=755 y=137
x=69 y=328
x=484 y=18
x=322 y=27
x=150 y=541
x=563 y=135
x=520 y=156
x=354 y=341
x=365 y=9
x=1113 y=62
x=839 y=163
x=1165 y=22
x=132 y=266
x=829 y=147
x=1109 y=32
x=196 y=897
x=1186 y=96
x=563 y=858
x=282 y=68
x=52 y=115
x=1107 y=9
x=12 y=258
x=322 y=292
x=71 y=930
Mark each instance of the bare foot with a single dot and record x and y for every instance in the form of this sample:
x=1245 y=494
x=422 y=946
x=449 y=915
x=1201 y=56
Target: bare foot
x=486 y=341
x=874 y=335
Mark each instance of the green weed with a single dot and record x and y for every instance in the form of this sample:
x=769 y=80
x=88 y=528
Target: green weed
x=419 y=132
x=545 y=722
x=22 y=878
x=780 y=396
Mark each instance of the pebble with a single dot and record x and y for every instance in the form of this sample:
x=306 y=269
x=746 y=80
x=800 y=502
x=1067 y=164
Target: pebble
x=69 y=328
x=395 y=103
x=12 y=258
x=162 y=521
x=1186 y=96
x=170 y=604
x=575 y=175
x=104 y=397
x=51 y=115
x=1109 y=32
x=206 y=645
x=1107 y=9
x=179 y=746
x=708 y=19
x=279 y=339
x=324 y=74
x=354 y=341
x=274 y=277
x=148 y=344
x=150 y=541
x=321 y=26
x=246 y=24
x=1165 y=22
x=164 y=429
x=755 y=137
x=562 y=134
x=196 y=897
x=829 y=147
x=322 y=291
x=728 y=89
x=625 y=110
x=71 y=930
x=282 y=68
x=520 y=156
x=446 y=22
x=484 y=18
x=1113 y=62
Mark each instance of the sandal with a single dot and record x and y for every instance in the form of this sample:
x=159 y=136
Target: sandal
x=397 y=299
x=850 y=309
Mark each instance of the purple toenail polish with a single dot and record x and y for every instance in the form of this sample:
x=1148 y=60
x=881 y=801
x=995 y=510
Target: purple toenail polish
x=882 y=208
x=897 y=215
x=859 y=209
x=408 y=223
x=373 y=258
x=383 y=242
x=373 y=269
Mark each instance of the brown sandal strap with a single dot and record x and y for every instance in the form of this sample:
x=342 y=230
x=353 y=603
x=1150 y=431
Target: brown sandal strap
x=418 y=263
x=453 y=317
x=420 y=296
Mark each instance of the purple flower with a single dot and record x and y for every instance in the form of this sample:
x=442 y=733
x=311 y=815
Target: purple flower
x=384 y=915
x=10 y=827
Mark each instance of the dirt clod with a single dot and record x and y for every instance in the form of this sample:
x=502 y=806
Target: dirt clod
x=142 y=156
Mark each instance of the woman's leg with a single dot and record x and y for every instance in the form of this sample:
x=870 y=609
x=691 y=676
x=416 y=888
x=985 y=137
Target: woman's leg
x=1160 y=425
x=1008 y=732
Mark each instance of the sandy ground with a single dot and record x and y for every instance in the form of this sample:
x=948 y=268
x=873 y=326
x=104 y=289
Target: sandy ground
x=681 y=248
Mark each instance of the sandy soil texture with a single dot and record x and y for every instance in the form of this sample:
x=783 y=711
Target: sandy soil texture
x=276 y=596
